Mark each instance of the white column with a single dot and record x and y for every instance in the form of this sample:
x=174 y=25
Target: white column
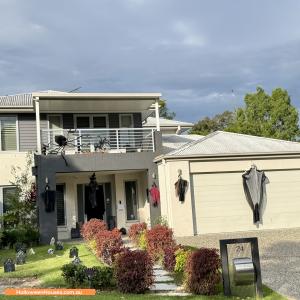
x=157 y=115
x=38 y=124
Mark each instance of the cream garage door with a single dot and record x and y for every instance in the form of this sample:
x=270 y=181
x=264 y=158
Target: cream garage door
x=220 y=206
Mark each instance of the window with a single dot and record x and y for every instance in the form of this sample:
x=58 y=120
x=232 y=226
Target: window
x=131 y=200
x=60 y=205
x=90 y=121
x=6 y=195
x=8 y=136
x=83 y=122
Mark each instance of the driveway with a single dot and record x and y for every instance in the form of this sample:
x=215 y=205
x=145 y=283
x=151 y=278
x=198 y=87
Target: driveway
x=279 y=254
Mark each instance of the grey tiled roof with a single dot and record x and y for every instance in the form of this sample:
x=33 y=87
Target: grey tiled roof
x=175 y=141
x=20 y=100
x=229 y=143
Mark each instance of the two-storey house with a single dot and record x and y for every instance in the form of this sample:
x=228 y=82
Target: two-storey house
x=92 y=156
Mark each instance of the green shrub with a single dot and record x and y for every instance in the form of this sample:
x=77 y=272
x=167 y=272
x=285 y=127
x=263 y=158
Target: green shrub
x=142 y=242
x=181 y=256
x=28 y=236
x=74 y=275
x=103 y=278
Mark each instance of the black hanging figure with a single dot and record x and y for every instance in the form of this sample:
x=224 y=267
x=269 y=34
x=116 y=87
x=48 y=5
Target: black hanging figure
x=181 y=188
x=93 y=185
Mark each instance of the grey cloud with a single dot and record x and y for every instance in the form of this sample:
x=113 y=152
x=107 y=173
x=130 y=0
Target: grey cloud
x=195 y=52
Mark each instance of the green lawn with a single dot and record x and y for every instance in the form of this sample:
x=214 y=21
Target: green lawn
x=45 y=267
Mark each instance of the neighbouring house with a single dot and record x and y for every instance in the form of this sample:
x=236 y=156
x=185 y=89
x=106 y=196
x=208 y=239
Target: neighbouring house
x=168 y=126
x=76 y=135
x=215 y=200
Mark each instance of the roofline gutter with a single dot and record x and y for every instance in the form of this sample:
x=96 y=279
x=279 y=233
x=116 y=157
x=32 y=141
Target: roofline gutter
x=97 y=96
x=227 y=156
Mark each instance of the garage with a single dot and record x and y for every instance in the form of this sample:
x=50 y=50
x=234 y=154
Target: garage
x=215 y=199
x=220 y=204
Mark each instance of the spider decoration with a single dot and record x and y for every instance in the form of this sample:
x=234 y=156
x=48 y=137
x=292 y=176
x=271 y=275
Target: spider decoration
x=103 y=144
x=61 y=142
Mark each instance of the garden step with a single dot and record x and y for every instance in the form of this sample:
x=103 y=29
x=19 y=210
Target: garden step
x=155 y=267
x=163 y=287
x=163 y=278
x=160 y=272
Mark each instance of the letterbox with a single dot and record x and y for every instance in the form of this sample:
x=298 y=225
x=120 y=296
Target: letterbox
x=243 y=271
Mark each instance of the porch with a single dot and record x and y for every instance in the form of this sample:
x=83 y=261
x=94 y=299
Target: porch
x=121 y=199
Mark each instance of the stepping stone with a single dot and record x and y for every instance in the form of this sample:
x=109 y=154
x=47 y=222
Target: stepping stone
x=160 y=272
x=164 y=278
x=163 y=287
x=155 y=267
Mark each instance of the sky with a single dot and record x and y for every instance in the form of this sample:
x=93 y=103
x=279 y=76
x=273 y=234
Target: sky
x=202 y=55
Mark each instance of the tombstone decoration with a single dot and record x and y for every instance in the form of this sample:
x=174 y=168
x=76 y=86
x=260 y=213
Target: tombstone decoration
x=50 y=251
x=20 y=246
x=76 y=261
x=90 y=273
x=31 y=251
x=59 y=246
x=9 y=266
x=241 y=267
x=52 y=241
x=73 y=252
x=20 y=258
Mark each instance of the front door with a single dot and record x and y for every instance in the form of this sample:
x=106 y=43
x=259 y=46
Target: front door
x=98 y=211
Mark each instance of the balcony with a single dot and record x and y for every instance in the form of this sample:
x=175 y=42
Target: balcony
x=110 y=140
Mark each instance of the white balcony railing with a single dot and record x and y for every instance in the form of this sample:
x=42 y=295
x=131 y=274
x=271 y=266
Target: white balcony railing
x=111 y=140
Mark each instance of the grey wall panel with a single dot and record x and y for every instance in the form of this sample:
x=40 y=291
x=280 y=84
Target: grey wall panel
x=137 y=120
x=27 y=130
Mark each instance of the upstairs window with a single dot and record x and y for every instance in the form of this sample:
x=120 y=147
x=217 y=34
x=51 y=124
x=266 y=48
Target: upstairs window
x=8 y=136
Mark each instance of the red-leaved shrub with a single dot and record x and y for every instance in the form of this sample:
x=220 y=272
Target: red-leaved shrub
x=91 y=228
x=135 y=231
x=159 y=238
x=202 y=271
x=108 y=244
x=169 y=260
x=134 y=271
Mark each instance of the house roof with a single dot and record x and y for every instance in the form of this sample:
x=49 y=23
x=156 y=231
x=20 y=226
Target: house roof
x=19 y=100
x=174 y=141
x=151 y=122
x=227 y=143
x=50 y=101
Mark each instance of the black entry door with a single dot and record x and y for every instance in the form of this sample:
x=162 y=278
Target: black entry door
x=98 y=211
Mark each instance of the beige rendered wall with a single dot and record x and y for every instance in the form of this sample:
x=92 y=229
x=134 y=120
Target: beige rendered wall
x=218 y=196
x=9 y=160
x=179 y=215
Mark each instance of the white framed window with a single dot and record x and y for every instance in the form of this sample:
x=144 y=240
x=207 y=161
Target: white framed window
x=131 y=199
x=91 y=121
x=9 y=138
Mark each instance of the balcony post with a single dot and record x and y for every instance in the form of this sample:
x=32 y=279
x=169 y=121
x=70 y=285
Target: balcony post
x=38 y=125
x=157 y=114
x=117 y=136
